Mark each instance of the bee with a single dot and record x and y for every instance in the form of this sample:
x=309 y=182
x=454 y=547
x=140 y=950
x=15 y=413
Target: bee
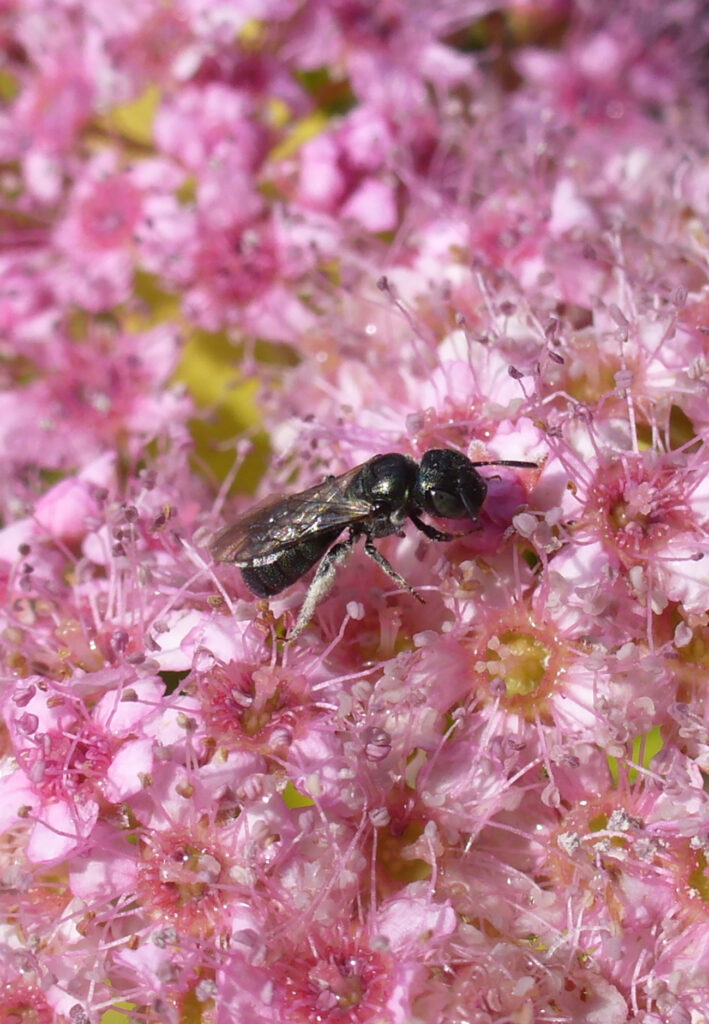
x=278 y=541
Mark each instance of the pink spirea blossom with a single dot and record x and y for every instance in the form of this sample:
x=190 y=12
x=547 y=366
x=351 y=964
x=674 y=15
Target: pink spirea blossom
x=467 y=225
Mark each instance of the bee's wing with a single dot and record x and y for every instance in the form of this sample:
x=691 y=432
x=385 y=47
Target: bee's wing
x=265 y=531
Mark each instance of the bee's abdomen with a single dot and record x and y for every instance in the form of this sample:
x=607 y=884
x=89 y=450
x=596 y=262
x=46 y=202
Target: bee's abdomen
x=267 y=580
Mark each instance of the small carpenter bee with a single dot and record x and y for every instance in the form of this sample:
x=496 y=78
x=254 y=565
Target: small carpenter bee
x=277 y=542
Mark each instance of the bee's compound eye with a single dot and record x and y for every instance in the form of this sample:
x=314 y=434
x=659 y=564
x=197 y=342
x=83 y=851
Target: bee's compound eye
x=445 y=504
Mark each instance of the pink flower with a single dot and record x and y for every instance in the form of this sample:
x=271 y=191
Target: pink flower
x=345 y=172
x=200 y=124
x=63 y=511
x=398 y=227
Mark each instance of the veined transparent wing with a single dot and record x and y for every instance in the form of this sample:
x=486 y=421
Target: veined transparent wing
x=264 y=532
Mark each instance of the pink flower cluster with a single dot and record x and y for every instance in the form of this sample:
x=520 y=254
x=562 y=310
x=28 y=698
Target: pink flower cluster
x=465 y=225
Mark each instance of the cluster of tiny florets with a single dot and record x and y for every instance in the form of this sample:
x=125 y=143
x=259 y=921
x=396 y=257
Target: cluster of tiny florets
x=383 y=227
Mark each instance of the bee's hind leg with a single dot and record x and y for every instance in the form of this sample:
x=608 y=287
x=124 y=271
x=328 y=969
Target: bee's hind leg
x=321 y=583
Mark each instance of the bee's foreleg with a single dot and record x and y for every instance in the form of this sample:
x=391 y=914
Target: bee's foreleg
x=381 y=561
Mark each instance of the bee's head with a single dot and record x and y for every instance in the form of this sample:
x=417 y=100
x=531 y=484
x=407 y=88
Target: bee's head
x=448 y=485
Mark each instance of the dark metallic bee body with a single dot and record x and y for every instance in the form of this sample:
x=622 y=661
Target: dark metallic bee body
x=273 y=577
x=277 y=542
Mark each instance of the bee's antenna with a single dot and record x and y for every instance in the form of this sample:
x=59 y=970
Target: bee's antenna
x=508 y=462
